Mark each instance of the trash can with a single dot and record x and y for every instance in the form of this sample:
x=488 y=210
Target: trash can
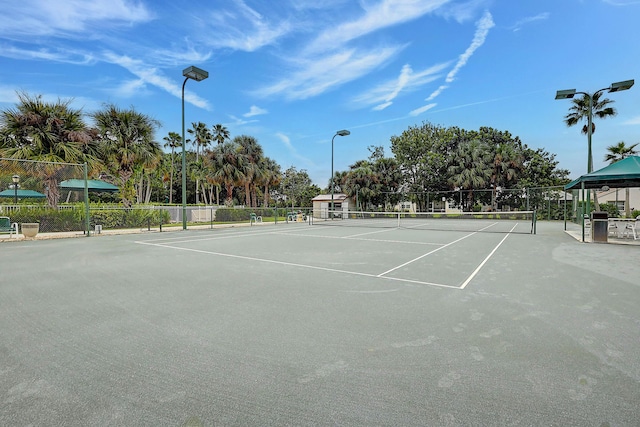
x=599 y=227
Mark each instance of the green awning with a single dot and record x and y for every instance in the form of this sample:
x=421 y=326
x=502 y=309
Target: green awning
x=621 y=174
x=22 y=194
x=94 y=185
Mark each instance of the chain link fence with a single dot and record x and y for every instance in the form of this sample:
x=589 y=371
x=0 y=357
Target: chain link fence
x=36 y=193
x=548 y=202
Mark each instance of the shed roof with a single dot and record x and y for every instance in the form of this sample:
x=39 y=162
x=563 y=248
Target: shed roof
x=327 y=197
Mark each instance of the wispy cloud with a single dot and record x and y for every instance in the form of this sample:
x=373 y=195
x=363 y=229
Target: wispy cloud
x=482 y=31
x=421 y=110
x=316 y=76
x=462 y=12
x=632 y=121
x=237 y=121
x=286 y=141
x=68 y=56
x=408 y=80
x=69 y=17
x=243 y=28
x=255 y=111
x=329 y=60
x=151 y=75
x=539 y=17
x=380 y=15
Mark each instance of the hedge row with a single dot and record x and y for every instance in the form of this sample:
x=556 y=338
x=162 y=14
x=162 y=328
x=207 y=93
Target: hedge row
x=52 y=220
x=128 y=218
x=239 y=215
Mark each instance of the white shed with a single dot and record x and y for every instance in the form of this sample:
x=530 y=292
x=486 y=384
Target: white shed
x=322 y=205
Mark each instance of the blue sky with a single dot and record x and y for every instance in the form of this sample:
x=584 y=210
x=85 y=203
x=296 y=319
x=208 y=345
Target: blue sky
x=293 y=72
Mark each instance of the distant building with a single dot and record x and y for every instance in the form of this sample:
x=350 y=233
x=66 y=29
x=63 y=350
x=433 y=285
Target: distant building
x=341 y=203
x=618 y=198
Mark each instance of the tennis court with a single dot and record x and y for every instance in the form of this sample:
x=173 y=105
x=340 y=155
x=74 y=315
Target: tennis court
x=304 y=325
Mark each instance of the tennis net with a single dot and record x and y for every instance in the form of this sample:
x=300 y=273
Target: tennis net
x=491 y=222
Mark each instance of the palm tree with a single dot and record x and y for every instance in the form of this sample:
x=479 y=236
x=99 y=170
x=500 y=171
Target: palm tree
x=127 y=144
x=616 y=153
x=579 y=111
x=173 y=140
x=470 y=168
x=47 y=132
x=202 y=137
x=220 y=133
x=251 y=153
x=507 y=162
x=271 y=176
x=362 y=181
x=225 y=164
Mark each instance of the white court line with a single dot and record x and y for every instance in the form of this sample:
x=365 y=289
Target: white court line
x=424 y=255
x=404 y=242
x=291 y=264
x=466 y=282
x=370 y=232
x=227 y=235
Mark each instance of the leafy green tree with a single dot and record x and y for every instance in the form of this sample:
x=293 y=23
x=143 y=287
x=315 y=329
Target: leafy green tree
x=47 y=132
x=296 y=186
x=422 y=153
x=618 y=152
x=127 y=143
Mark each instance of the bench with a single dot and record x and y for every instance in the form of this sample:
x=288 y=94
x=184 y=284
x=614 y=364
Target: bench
x=7 y=227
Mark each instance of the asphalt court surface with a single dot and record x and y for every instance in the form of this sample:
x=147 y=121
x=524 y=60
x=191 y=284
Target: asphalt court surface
x=304 y=326
x=435 y=258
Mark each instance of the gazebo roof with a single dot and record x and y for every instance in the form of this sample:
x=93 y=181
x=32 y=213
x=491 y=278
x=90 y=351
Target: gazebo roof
x=93 y=185
x=621 y=174
x=22 y=194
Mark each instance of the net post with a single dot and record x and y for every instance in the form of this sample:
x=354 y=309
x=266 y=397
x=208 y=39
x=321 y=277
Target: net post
x=534 y=223
x=86 y=198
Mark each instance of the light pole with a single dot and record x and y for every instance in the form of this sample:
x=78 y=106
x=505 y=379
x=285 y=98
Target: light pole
x=343 y=132
x=16 y=180
x=197 y=74
x=570 y=93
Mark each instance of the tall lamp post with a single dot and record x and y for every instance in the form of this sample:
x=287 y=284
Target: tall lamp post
x=342 y=132
x=16 y=180
x=570 y=93
x=197 y=74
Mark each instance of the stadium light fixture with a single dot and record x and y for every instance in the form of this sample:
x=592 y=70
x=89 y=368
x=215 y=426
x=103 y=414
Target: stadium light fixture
x=16 y=180
x=618 y=86
x=197 y=74
x=565 y=94
x=342 y=132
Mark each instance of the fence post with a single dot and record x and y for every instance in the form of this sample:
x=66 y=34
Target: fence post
x=86 y=199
